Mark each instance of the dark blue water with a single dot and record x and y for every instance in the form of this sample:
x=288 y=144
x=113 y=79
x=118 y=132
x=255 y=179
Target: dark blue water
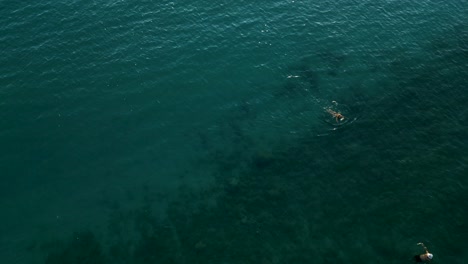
x=198 y=132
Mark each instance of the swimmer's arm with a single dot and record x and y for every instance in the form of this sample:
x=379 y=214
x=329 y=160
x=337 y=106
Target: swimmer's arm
x=422 y=245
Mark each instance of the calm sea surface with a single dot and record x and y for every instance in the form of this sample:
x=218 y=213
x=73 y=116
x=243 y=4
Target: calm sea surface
x=197 y=131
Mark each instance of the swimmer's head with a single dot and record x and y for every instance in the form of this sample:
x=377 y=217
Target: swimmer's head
x=430 y=256
x=342 y=118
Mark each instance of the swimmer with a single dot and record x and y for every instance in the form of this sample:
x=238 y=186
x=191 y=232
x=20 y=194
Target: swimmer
x=426 y=257
x=338 y=116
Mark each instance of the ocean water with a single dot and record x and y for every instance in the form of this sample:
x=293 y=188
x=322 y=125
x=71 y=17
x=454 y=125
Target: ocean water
x=198 y=132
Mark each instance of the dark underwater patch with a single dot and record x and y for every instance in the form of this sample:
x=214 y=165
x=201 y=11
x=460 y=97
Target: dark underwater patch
x=82 y=248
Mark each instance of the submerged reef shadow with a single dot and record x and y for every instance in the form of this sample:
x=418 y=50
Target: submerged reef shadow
x=83 y=247
x=333 y=61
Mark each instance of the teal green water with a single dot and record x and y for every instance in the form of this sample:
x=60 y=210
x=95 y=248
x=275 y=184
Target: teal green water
x=197 y=132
